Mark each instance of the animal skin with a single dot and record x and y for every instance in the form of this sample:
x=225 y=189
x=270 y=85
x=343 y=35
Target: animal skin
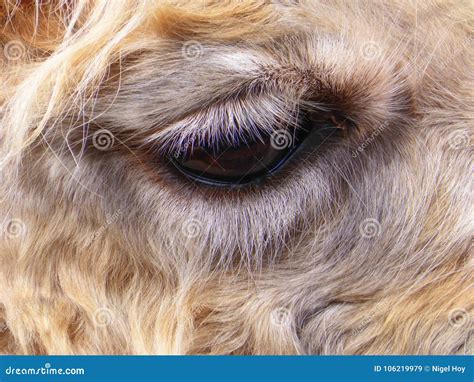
x=361 y=246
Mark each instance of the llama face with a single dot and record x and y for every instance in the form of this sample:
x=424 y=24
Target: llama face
x=308 y=158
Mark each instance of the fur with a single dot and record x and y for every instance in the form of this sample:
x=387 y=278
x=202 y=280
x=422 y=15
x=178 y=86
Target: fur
x=362 y=247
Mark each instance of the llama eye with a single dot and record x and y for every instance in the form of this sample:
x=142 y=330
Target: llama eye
x=253 y=160
x=245 y=163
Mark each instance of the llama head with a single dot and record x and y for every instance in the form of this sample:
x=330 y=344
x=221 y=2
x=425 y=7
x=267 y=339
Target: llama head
x=104 y=105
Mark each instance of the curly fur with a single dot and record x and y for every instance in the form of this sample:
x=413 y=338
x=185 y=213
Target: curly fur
x=95 y=257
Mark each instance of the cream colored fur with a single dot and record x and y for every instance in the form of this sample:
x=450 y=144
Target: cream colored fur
x=363 y=247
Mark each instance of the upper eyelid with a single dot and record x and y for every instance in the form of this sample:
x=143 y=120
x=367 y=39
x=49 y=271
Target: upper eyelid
x=264 y=99
x=252 y=116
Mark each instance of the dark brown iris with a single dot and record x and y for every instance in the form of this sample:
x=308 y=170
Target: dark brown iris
x=237 y=164
x=253 y=159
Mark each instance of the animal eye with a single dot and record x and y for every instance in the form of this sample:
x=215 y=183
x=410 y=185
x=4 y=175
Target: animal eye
x=239 y=164
x=253 y=159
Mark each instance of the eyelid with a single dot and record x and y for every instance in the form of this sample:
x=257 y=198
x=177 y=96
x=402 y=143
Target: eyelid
x=228 y=123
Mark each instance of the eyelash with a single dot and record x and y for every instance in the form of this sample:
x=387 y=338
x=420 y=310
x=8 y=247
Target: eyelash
x=223 y=127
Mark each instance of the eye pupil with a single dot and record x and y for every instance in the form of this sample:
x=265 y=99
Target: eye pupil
x=240 y=164
x=254 y=159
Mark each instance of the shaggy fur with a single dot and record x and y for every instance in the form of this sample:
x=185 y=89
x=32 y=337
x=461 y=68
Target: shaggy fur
x=362 y=247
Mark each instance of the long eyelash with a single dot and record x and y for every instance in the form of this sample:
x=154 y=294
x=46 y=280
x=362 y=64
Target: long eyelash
x=236 y=122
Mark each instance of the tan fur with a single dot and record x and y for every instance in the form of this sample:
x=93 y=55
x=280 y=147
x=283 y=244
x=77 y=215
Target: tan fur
x=94 y=251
